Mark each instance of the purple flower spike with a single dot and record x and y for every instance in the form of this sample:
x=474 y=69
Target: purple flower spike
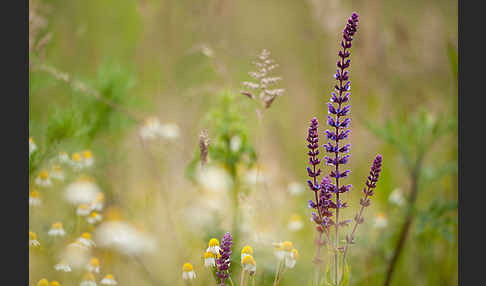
x=374 y=175
x=223 y=262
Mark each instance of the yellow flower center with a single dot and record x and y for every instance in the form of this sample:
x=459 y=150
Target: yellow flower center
x=209 y=255
x=87 y=154
x=287 y=246
x=86 y=235
x=44 y=175
x=94 y=262
x=57 y=225
x=213 y=242
x=295 y=253
x=55 y=283
x=187 y=267
x=32 y=235
x=249 y=260
x=34 y=194
x=247 y=250
x=43 y=282
x=76 y=157
x=109 y=276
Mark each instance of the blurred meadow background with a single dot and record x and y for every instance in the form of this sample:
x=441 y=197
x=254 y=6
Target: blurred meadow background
x=124 y=93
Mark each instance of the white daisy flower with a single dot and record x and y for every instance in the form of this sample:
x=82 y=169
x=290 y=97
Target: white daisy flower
x=33 y=242
x=57 y=173
x=94 y=217
x=283 y=249
x=56 y=230
x=93 y=265
x=88 y=280
x=85 y=239
x=76 y=255
x=291 y=258
x=213 y=246
x=295 y=188
x=63 y=266
x=97 y=205
x=380 y=221
x=295 y=223
x=188 y=272
x=249 y=264
x=83 y=210
x=34 y=199
x=43 y=179
x=150 y=128
x=88 y=159
x=77 y=161
x=396 y=197
x=209 y=259
x=169 y=131
x=108 y=280
x=82 y=191
x=32 y=145
x=63 y=157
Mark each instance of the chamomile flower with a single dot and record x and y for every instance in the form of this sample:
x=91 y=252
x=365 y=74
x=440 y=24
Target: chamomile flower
x=295 y=223
x=55 y=283
x=169 y=131
x=63 y=157
x=33 y=242
x=32 y=145
x=397 y=197
x=93 y=265
x=247 y=250
x=295 y=188
x=150 y=128
x=97 y=205
x=43 y=282
x=213 y=246
x=82 y=191
x=83 y=210
x=63 y=266
x=249 y=264
x=283 y=249
x=77 y=161
x=85 y=239
x=209 y=259
x=94 y=217
x=123 y=237
x=108 y=280
x=88 y=280
x=34 y=199
x=57 y=173
x=188 y=272
x=380 y=221
x=291 y=258
x=43 y=179
x=88 y=159
x=56 y=230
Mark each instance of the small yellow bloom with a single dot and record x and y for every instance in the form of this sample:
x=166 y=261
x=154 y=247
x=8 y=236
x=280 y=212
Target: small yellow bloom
x=213 y=246
x=249 y=263
x=33 y=239
x=287 y=245
x=87 y=154
x=188 y=272
x=56 y=230
x=55 y=283
x=76 y=157
x=209 y=259
x=108 y=280
x=295 y=253
x=94 y=265
x=34 y=199
x=43 y=282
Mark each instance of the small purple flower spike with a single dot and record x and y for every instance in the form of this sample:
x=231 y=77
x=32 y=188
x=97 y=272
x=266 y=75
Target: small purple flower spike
x=223 y=262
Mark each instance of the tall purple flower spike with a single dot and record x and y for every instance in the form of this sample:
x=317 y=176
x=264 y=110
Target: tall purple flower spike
x=223 y=262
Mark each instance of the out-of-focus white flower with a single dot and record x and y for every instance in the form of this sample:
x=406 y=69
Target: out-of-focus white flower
x=169 y=131
x=209 y=259
x=56 y=229
x=123 y=237
x=286 y=251
x=63 y=157
x=33 y=242
x=295 y=188
x=249 y=263
x=93 y=265
x=214 y=179
x=88 y=159
x=235 y=143
x=82 y=191
x=97 y=205
x=150 y=128
x=295 y=223
x=43 y=179
x=34 y=199
x=254 y=176
x=75 y=255
x=88 y=280
x=77 y=161
x=32 y=145
x=188 y=272
x=397 y=197
x=213 y=246
x=380 y=221
x=291 y=258
x=94 y=217
x=63 y=266
x=85 y=239
x=83 y=210
x=108 y=280
x=57 y=173
x=207 y=51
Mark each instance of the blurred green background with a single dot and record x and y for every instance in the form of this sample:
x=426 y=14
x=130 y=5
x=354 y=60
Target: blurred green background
x=173 y=59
